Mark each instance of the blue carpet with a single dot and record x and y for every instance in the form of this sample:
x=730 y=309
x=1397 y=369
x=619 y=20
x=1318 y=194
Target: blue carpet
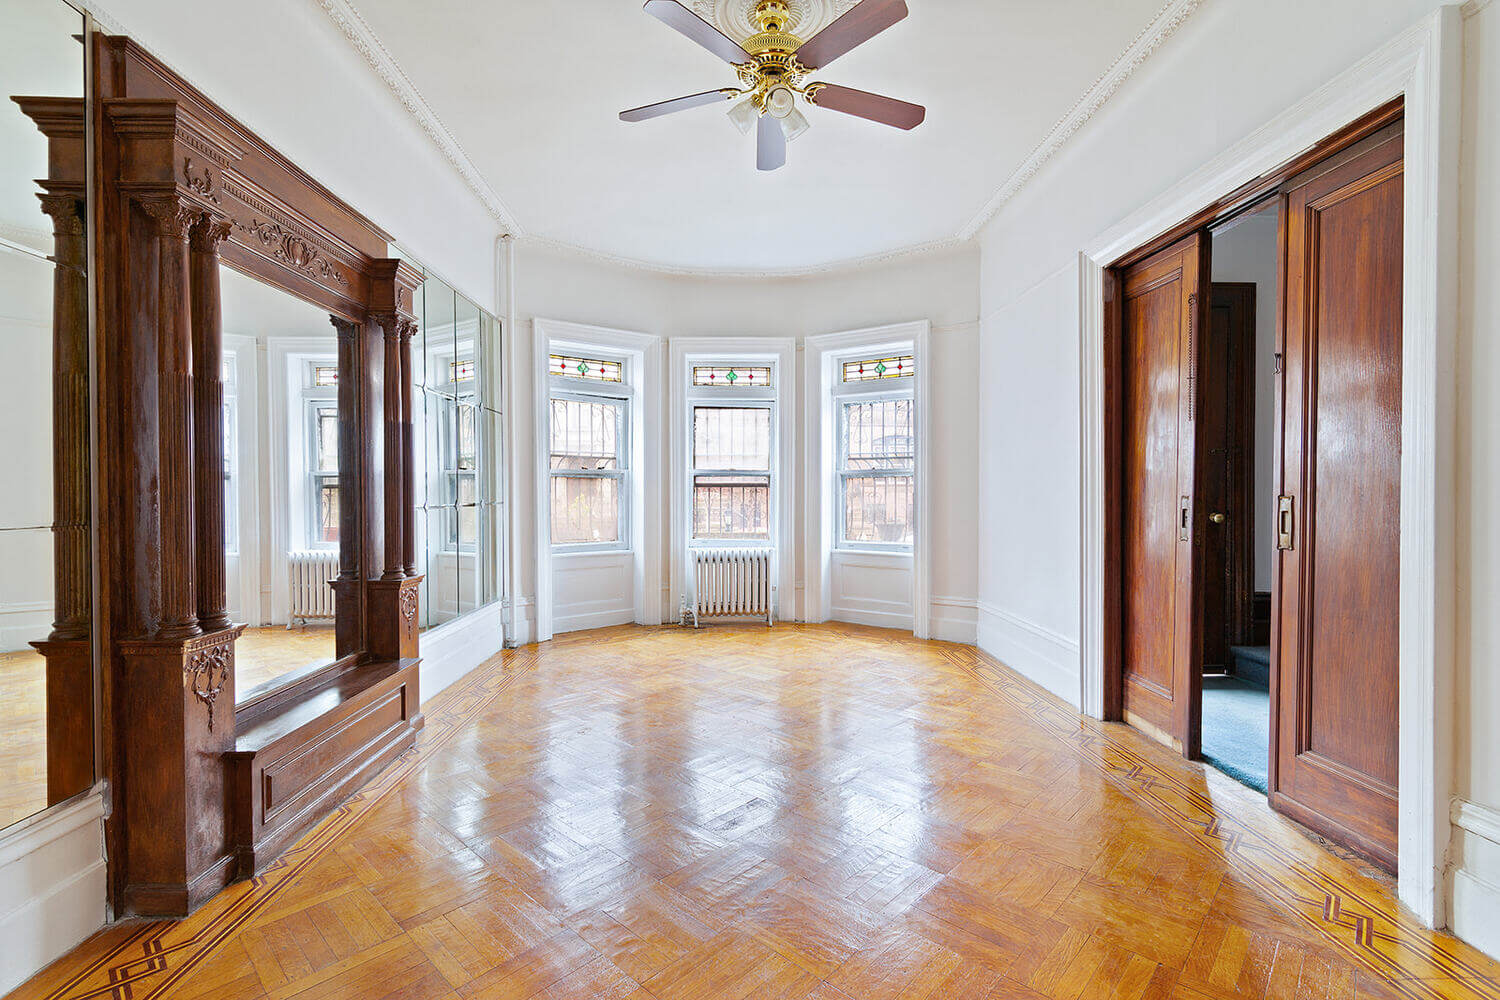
x=1237 y=729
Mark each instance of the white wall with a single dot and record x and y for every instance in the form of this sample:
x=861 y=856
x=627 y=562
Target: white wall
x=1476 y=857
x=1247 y=253
x=1228 y=70
x=939 y=287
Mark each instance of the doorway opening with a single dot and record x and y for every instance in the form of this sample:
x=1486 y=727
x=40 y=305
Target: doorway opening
x=1252 y=400
x=1238 y=393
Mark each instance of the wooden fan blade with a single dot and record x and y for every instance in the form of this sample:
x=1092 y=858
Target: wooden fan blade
x=859 y=24
x=678 y=104
x=885 y=110
x=675 y=15
x=770 y=144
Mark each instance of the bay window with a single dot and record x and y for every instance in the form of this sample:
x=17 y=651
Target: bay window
x=731 y=472
x=876 y=453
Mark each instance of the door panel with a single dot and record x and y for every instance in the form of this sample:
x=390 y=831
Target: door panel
x=1226 y=473
x=1162 y=311
x=1337 y=626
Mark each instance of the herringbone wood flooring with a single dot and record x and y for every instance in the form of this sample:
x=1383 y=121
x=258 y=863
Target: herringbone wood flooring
x=817 y=812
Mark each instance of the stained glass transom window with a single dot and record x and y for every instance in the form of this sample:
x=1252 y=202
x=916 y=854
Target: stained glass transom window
x=592 y=369
x=461 y=370
x=325 y=375
x=732 y=376
x=873 y=369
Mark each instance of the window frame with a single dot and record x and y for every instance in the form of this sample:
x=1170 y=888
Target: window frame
x=734 y=398
x=316 y=476
x=621 y=397
x=844 y=394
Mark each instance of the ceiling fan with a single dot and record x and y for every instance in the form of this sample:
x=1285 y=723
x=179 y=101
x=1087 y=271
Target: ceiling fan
x=772 y=65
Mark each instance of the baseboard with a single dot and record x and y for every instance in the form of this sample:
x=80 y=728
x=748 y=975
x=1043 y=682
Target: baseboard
x=954 y=619
x=580 y=621
x=1474 y=890
x=874 y=619
x=1034 y=651
x=453 y=649
x=52 y=885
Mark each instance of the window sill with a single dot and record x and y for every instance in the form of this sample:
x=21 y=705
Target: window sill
x=893 y=555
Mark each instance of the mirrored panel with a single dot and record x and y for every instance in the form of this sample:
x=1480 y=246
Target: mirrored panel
x=281 y=482
x=456 y=368
x=46 y=657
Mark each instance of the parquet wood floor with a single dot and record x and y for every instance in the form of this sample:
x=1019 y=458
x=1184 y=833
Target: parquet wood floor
x=807 y=813
x=23 y=735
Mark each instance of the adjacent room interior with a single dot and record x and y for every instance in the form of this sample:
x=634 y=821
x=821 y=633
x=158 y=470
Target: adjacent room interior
x=974 y=500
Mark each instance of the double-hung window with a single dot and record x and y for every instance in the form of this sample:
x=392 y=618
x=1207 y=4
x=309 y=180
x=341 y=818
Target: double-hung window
x=731 y=454
x=876 y=452
x=589 y=438
x=458 y=434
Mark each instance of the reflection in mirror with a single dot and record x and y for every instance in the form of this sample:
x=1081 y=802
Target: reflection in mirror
x=457 y=452
x=46 y=659
x=281 y=482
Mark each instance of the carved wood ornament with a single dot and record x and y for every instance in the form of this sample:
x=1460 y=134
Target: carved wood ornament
x=180 y=187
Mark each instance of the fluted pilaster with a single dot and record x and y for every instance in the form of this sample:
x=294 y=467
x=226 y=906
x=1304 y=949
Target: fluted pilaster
x=208 y=421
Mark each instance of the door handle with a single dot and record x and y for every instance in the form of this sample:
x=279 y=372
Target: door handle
x=1285 y=523
x=1216 y=518
x=1185 y=520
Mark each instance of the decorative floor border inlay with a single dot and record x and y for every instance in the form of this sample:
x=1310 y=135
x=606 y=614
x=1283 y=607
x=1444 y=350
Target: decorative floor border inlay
x=156 y=962
x=1372 y=933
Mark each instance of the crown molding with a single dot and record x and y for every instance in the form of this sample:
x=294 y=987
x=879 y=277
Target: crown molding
x=832 y=267
x=1162 y=26
x=358 y=32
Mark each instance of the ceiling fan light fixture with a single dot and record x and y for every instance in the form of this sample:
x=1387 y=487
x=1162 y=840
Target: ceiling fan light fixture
x=794 y=124
x=781 y=102
x=744 y=115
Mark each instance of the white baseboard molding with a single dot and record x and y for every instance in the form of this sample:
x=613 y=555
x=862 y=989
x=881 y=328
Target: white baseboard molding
x=899 y=620
x=453 y=649
x=52 y=885
x=1034 y=651
x=1474 y=892
x=954 y=619
x=572 y=618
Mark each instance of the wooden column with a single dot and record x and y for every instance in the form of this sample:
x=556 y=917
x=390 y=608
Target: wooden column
x=208 y=422
x=408 y=456
x=174 y=218
x=68 y=651
x=395 y=450
x=348 y=587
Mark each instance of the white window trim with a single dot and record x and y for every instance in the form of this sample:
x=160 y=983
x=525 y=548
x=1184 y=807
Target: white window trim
x=1423 y=64
x=825 y=388
x=780 y=353
x=642 y=354
x=245 y=354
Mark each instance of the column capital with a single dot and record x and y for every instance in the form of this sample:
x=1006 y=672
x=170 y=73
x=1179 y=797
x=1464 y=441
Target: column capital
x=174 y=216
x=66 y=211
x=208 y=232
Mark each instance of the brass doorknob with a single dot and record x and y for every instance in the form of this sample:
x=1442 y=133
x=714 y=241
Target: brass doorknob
x=1216 y=518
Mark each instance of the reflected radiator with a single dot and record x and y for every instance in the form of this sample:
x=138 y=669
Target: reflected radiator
x=732 y=582
x=309 y=594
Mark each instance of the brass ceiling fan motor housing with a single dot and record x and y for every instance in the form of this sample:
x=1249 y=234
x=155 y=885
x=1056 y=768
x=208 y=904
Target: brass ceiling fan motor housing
x=774 y=46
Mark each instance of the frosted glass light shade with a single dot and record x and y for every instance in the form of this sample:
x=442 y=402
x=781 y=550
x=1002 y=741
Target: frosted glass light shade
x=744 y=115
x=794 y=124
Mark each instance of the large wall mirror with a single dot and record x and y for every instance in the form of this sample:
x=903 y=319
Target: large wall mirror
x=47 y=679
x=281 y=482
x=456 y=427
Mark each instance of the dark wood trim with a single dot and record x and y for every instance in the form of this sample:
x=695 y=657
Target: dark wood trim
x=1114 y=472
x=1252 y=194
x=179 y=186
x=1240 y=491
x=1325 y=154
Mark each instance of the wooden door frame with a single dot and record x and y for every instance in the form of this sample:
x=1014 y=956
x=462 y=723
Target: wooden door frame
x=1420 y=67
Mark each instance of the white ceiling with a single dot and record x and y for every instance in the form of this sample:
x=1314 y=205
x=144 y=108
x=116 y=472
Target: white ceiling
x=531 y=91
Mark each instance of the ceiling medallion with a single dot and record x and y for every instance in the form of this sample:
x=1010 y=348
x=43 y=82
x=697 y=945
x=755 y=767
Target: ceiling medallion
x=736 y=18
